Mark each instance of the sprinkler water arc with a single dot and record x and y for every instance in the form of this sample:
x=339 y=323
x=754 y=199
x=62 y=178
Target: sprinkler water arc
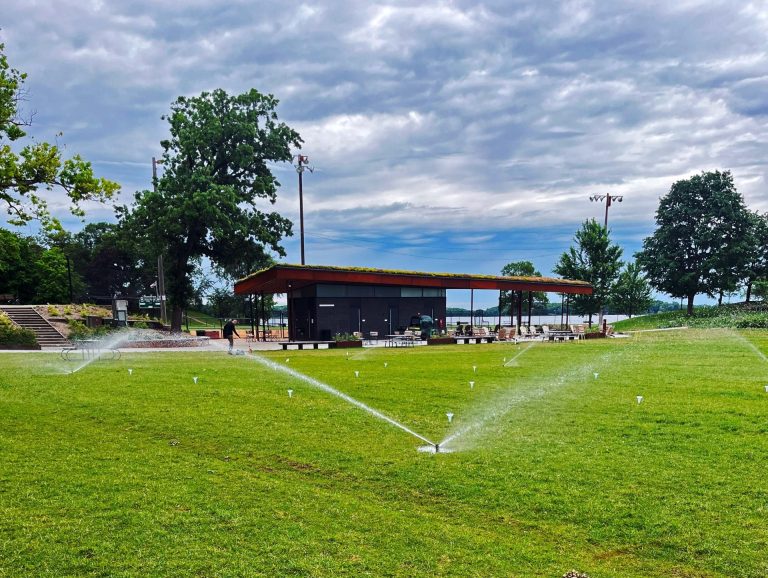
x=333 y=391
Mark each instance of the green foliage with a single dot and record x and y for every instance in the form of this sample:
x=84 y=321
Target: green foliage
x=632 y=293
x=113 y=260
x=52 y=271
x=18 y=273
x=757 y=261
x=702 y=240
x=509 y=299
x=79 y=330
x=11 y=334
x=707 y=316
x=39 y=164
x=595 y=260
x=216 y=173
x=760 y=289
x=345 y=337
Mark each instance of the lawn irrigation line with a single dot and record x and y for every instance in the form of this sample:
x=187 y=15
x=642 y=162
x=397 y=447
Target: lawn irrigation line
x=519 y=353
x=328 y=389
x=506 y=405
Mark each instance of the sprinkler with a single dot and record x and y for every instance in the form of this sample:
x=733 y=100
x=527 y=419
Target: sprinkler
x=437 y=448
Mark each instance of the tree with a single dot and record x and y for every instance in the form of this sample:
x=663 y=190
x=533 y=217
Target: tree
x=701 y=241
x=761 y=290
x=206 y=202
x=757 y=262
x=632 y=293
x=110 y=260
x=52 y=286
x=595 y=260
x=508 y=300
x=39 y=164
x=19 y=275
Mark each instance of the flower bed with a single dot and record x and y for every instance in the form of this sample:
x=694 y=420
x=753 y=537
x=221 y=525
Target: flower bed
x=343 y=344
x=441 y=341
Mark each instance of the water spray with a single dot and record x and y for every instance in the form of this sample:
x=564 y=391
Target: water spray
x=349 y=399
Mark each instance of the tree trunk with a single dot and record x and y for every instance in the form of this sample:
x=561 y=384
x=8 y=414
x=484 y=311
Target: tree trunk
x=690 y=304
x=720 y=298
x=749 y=289
x=176 y=318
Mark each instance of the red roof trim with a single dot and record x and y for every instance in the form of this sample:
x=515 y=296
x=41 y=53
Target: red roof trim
x=282 y=278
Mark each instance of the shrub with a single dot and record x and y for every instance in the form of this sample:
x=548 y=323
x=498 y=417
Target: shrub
x=346 y=337
x=11 y=334
x=53 y=311
x=79 y=330
x=755 y=321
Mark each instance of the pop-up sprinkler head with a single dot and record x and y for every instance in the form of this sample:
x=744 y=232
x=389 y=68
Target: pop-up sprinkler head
x=437 y=448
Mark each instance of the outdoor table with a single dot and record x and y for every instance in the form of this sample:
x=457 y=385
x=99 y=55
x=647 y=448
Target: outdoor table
x=398 y=340
x=558 y=335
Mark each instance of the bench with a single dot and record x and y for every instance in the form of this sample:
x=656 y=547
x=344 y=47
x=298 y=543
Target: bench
x=307 y=344
x=463 y=340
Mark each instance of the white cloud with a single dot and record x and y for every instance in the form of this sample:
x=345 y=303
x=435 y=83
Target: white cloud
x=440 y=117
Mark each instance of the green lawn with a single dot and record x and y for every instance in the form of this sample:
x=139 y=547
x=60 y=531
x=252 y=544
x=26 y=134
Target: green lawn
x=103 y=473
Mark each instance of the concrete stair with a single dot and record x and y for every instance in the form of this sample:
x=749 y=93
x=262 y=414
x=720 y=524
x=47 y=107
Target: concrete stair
x=28 y=318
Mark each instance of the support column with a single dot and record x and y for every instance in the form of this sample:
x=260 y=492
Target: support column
x=472 y=309
x=530 y=306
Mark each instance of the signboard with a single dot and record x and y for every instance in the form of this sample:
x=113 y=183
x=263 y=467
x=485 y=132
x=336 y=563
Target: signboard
x=149 y=302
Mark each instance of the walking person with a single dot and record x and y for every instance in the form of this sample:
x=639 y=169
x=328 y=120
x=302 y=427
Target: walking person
x=229 y=330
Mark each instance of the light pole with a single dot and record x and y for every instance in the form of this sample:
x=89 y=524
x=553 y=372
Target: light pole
x=160 y=268
x=608 y=200
x=300 y=168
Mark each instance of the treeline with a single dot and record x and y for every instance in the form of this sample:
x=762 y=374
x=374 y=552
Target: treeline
x=554 y=309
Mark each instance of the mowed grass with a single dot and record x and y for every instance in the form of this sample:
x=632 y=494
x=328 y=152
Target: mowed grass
x=103 y=473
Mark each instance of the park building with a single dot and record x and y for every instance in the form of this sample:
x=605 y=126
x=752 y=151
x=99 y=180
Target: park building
x=324 y=301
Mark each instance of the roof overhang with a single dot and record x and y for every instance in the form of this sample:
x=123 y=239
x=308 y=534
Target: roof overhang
x=285 y=278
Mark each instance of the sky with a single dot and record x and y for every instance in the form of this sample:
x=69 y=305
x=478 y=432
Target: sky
x=445 y=136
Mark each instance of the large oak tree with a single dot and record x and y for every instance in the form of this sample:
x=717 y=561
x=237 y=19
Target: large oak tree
x=702 y=239
x=207 y=204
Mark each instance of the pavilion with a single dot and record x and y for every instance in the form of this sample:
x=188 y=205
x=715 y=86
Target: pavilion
x=325 y=300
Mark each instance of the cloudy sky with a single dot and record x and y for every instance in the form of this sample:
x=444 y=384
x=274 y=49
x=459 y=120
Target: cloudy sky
x=445 y=136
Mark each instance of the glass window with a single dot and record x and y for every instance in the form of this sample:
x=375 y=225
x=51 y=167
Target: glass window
x=360 y=291
x=410 y=292
x=387 y=291
x=331 y=291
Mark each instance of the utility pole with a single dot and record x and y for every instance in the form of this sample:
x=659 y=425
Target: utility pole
x=300 y=168
x=160 y=269
x=608 y=200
